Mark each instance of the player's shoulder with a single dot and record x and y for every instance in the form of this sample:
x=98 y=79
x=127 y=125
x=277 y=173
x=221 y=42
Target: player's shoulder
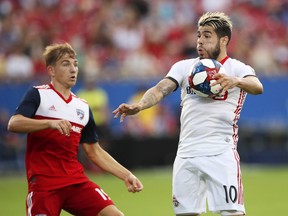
x=236 y=63
x=184 y=66
x=45 y=86
x=238 y=67
x=189 y=61
x=78 y=98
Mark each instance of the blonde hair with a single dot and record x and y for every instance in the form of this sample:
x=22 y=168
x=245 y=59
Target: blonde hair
x=55 y=51
x=219 y=21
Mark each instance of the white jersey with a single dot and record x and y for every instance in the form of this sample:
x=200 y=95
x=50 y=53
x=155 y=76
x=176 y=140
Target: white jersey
x=208 y=125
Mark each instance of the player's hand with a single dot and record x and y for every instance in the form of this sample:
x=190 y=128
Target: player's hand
x=63 y=126
x=227 y=82
x=125 y=109
x=133 y=184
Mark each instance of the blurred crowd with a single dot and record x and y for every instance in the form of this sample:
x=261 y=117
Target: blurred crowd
x=135 y=39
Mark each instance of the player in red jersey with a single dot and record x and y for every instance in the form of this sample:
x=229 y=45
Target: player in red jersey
x=56 y=121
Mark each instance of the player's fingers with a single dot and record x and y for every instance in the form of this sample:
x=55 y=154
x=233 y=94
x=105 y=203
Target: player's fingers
x=133 y=189
x=66 y=131
x=121 y=109
x=130 y=188
x=60 y=129
x=66 y=127
x=116 y=111
x=116 y=114
x=122 y=117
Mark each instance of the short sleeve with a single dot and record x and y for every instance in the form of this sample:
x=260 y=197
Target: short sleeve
x=89 y=134
x=29 y=103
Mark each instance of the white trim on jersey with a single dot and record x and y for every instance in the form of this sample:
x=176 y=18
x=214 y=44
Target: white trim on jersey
x=29 y=203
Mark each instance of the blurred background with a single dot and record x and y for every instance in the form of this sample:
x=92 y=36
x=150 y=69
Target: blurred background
x=125 y=47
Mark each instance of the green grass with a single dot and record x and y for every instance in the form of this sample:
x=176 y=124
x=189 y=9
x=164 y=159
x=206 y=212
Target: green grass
x=265 y=192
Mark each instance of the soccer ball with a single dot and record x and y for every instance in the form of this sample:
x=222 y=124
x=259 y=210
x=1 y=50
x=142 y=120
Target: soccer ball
x=201 y=77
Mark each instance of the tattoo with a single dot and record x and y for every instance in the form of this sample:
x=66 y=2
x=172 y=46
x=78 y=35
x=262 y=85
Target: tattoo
x=157 y=93
x=165 y=86
x=149 y=99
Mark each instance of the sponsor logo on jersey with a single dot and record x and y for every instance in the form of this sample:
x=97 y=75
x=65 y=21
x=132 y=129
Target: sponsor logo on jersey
x=80 y=113
x=76 y=129
x=189 y=90
x=52 y=108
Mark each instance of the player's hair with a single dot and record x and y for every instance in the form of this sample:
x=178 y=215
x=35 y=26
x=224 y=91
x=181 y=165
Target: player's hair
x=55 y=51
x=219 y=21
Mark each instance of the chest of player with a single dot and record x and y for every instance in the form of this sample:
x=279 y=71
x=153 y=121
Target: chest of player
x=53 y=106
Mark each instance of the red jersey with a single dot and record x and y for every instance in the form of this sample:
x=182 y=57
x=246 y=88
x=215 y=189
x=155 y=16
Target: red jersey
x=51 y=158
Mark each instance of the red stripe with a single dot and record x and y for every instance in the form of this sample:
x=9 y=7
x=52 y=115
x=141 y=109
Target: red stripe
x=239 y=179
x=224 y=60
x=237 y=116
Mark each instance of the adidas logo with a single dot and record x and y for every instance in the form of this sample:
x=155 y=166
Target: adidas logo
x=52 y=108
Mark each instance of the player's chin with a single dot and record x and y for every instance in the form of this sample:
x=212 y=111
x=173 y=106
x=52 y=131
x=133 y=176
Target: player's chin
x=202 y=56
x=72 y=82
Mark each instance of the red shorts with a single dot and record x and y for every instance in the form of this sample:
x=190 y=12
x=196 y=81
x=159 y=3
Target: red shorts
x=83 y=199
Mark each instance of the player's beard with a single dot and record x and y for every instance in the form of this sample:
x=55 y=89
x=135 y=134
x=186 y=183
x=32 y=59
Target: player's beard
x=215 y=52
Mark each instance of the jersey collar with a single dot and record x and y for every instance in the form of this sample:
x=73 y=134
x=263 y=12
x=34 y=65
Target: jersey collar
x=224 y=60
x=60 y=95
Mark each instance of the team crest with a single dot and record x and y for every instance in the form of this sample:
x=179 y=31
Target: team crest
x=175 y=201
x=80 y=113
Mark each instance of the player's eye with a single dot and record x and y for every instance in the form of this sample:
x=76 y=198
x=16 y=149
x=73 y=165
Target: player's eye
x=207 y=36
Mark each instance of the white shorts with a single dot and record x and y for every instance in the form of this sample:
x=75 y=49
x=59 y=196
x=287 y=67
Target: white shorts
x=215 y=179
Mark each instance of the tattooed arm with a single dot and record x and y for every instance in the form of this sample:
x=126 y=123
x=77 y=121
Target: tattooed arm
x=151 y=97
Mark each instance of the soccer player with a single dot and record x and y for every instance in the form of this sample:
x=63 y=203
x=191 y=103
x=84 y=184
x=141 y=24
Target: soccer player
x=56 y=121
x=207 y=165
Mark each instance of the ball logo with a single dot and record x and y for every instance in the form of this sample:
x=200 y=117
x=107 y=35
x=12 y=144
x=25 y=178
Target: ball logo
x=201 y=78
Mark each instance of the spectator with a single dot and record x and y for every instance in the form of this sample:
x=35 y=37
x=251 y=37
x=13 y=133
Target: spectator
x=19 y=67
x=98 y=101
x=119 y=28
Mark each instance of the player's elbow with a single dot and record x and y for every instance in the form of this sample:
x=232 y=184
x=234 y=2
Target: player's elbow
x=258 y=89
x=11 y=126
x=14 y=125
x=92 y=151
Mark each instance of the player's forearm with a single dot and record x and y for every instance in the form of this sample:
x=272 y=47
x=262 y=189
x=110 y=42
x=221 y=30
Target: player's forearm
x=106 y=162
x=21 y=124
x=111 y=166
x=150 y=98
x=251 y=85
x=155 y=94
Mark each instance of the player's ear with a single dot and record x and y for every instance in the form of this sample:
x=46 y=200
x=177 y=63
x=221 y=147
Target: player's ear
x=224 y=40
x=50 y=70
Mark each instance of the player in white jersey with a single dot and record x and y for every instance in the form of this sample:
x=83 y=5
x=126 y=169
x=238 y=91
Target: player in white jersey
x=207 y=165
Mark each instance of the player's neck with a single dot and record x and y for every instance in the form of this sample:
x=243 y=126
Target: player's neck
x=64 y=91
x=221 y=56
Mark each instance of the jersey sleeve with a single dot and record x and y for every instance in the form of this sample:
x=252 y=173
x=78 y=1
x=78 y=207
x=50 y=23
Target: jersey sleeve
x=180 y=71
x=243 y=70
x=89 y=134
x=29 y=103
x=175 y=73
